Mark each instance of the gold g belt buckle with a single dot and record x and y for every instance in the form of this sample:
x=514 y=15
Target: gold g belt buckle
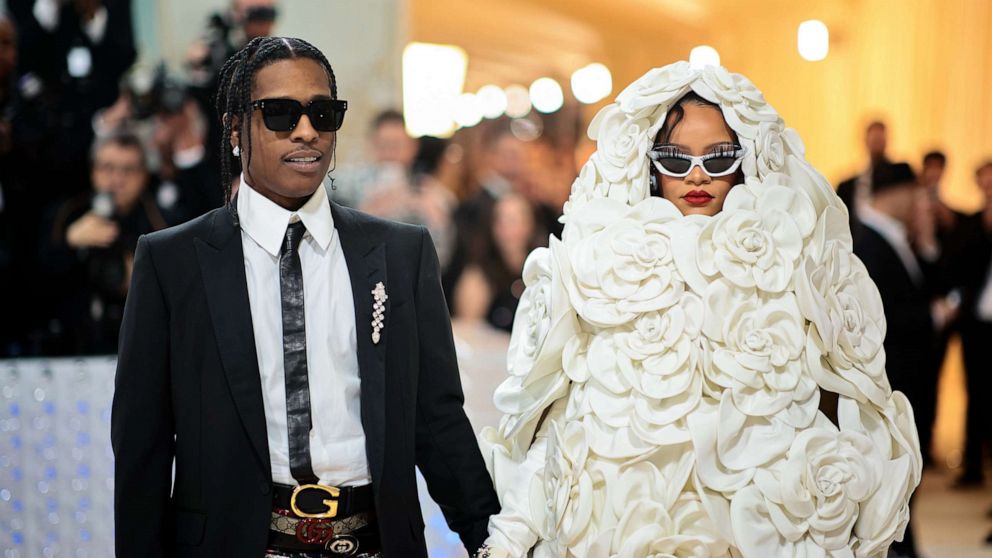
x=331 y=503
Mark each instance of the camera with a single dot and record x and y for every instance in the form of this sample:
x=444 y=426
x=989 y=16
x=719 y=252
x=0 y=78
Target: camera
x=156 y=94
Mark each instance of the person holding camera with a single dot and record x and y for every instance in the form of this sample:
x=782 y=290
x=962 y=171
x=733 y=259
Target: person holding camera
x=73 y=54
x=88 y=248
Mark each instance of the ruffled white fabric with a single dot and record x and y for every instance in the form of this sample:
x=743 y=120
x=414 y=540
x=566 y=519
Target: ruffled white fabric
x=665 y=370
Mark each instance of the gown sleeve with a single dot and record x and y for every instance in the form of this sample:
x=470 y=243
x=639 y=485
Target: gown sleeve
x=518 y=526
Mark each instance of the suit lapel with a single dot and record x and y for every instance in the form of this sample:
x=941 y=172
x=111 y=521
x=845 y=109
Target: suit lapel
x=366 y=259
x=221 y=260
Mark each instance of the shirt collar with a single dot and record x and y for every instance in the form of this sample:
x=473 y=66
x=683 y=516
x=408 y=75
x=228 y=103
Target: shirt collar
x=893 y=232
x=889 y=227
x=265 y=221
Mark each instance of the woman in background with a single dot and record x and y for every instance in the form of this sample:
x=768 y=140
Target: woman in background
x=490 y=287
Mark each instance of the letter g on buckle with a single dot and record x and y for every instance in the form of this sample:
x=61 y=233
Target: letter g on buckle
x=332 y=503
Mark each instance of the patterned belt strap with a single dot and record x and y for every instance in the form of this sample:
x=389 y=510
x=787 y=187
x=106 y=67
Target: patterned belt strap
x=316 y=531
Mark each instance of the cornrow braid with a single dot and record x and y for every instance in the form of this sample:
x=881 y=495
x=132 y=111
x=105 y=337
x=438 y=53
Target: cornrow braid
x=234 y=97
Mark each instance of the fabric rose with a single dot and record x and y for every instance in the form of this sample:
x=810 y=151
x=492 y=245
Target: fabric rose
x=659 y=357
x=543 y=316
x=658 y=514
x=770 y=149
x=808 y=504
x=819 y=190
x=544 y=324
x=533 y=317
x=658 y=88
x=621 y=261
x=622 y=145
x=659 y=353
x=652 y=530
x=600 y=397
x=756 y=354
x=885 y=515
x=589 y=185
x=730 y=445
x=744 y=107
x=757 y=239
x=608 y=389
x=619 y=412
x=572 y=492
x=835 y=293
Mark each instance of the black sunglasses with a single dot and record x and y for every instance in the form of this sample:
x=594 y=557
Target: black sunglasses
x=282 y=115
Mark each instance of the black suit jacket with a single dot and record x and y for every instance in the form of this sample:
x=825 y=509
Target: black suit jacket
x=846 y=192
x=972 y=262
x=909 y=334
x=188 y=389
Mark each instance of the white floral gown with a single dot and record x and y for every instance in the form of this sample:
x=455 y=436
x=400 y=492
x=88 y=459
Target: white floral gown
x=665 y=372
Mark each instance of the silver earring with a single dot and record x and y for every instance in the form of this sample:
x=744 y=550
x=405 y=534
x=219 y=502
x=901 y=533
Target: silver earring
x=655 y=190
x=236 y=151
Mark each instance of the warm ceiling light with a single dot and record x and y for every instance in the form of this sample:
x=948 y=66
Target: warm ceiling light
x=517 y=101
x=813 y=40
x=704 y=55
x=468 y=110
x=433 y=77
x=592 y=83
x=546 y=95
x=493 y=101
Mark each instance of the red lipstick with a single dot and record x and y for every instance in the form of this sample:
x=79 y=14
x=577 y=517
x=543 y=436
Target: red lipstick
x=697 y=197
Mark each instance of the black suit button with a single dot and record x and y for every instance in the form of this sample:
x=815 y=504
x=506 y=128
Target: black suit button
x=264 y=487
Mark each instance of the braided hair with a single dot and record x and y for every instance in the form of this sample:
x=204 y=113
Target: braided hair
x=234 y=96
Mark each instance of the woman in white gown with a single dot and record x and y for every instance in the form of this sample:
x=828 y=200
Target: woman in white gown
x=696 y=367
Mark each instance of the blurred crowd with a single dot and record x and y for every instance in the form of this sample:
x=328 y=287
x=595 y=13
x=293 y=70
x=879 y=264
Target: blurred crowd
x=488 y=196
x=96 y=151
x=933 y=268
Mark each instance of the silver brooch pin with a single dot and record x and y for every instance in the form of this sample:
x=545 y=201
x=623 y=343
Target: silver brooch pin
x=378 y=308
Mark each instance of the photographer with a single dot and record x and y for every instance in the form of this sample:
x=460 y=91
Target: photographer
x=13 y=257
x=161 y=111
x=72 y=56
x=88 y=248
x=226 y=33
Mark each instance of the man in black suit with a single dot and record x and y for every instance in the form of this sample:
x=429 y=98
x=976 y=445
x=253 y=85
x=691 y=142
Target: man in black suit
x=901 y=277
x=293 y=358
x=974 y=271
x=855 y=192
x=938 y=239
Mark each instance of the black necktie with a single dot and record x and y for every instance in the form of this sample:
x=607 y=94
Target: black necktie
x=294 y=350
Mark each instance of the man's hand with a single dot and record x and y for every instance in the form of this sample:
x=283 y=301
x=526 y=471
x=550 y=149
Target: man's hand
x=91 y=231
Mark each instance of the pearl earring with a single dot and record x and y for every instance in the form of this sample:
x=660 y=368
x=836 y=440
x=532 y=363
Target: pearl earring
x=236 y=151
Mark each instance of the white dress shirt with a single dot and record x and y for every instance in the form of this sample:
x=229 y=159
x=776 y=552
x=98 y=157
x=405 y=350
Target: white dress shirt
x=984 y=306
x=895 y=234
x=337 y=440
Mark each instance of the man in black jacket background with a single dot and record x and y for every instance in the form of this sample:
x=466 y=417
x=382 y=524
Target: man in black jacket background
x=902 y=279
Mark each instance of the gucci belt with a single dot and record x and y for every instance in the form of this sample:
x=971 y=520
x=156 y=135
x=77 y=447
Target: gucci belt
x=318 y=531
